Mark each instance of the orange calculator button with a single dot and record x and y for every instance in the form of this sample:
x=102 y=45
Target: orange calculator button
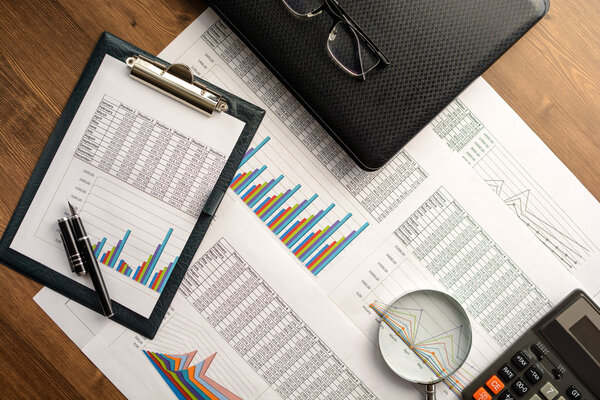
x=495 y=384
x=481 y=394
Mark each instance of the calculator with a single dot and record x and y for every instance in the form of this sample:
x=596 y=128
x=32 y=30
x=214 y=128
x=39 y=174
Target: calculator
x=556 y=359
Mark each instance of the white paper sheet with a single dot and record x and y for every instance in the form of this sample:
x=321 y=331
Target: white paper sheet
x=489 y=250
x=225 y=301
x=138 y=167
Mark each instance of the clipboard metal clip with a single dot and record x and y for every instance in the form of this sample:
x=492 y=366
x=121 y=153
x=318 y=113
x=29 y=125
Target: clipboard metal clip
x=176 y=81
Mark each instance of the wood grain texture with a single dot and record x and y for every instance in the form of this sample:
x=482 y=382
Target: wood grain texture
x=44 y=47
x=550 y=77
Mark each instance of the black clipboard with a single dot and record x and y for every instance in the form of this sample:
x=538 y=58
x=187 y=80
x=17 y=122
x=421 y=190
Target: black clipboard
x=236 y=107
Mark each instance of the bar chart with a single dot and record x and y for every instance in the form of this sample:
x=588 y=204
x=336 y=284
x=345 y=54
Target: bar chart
x=291 y=221
x=144 y=270
x=138 y=248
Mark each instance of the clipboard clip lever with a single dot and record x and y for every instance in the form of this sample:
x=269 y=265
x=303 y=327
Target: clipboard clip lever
x=176 y=81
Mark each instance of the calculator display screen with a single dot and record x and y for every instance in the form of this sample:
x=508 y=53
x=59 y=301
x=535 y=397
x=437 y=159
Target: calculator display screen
x=588 y=335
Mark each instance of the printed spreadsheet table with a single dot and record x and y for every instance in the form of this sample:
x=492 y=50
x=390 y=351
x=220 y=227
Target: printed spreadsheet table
x=264 y=331
x=150 y=156
x=472 y=267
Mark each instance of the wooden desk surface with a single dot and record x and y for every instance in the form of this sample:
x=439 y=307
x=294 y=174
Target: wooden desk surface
x=551 y=78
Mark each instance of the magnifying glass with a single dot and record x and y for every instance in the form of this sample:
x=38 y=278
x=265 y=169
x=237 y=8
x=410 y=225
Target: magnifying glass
x=425 y=336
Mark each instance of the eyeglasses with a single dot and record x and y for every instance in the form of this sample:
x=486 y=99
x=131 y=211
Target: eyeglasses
x=347 y=43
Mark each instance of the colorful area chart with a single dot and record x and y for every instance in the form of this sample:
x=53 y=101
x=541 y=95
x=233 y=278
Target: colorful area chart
x=188 y=382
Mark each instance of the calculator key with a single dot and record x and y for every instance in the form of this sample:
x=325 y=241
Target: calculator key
x=495 y=384
x=556 y=373
x=520 y=387
x=560 y=398
x=535 y=349
x=533 y=374
x=506 y=373
x=573 y=393
x=535 y=397
x=481 y=394
x=519 y=360
x=506 y=395
x=548 y=391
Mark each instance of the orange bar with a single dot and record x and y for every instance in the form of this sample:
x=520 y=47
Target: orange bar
x=267 y=204
x=256 y=189
x=290 y=233
x=238 y=180
x=283 y=215
x=311 y=240
x=322 y=255
x=158 y=278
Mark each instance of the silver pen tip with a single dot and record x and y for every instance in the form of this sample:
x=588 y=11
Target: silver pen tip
x=71 y=208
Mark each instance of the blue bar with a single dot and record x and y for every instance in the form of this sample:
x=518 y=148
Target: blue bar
x=303 y=242
x=166 y=277
x=277 y=216
x=279 y=202
x=155 y=259
x=308 y=226
x=293 y=215
x=323 y=238
x=235 y=178
x=338 y=249
x=317 y=255
x=253 y=151
x=153 y=279
x=249 y=179
x=246 y=194
x=262 y=204
x=264 y=191
x=114 y=258
x=291 y=229
x=98 y=248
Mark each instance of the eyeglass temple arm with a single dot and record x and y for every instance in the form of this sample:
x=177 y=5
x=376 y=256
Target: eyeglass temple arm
x=339 y=11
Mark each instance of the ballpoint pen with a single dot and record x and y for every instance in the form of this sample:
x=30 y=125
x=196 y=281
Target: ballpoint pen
x=89 y=261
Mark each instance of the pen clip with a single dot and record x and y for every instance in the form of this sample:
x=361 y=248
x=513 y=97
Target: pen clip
x=176 y=81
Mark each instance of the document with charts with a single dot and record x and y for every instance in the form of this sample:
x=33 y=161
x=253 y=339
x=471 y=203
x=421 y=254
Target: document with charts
x=277 y=334
x=489 y=235
x=478 y=126
x=138 y=167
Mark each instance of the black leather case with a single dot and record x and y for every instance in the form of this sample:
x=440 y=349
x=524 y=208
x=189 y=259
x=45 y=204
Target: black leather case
x=436 y=47
x=240 y=109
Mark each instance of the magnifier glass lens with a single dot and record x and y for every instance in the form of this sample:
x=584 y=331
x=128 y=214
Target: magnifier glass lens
x=424 y=336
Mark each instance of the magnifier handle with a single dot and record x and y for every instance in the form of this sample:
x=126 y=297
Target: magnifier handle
x=430 y=392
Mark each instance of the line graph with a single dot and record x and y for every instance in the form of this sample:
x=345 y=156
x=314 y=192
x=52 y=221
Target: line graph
x=515 y=184
x=439 y=347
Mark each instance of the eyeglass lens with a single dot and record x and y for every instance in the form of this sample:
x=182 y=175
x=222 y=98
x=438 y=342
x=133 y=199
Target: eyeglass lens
x=346 y=48
x=349 y=50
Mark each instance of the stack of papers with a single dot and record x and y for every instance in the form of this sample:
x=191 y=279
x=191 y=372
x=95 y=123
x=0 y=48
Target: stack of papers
x=276 y=303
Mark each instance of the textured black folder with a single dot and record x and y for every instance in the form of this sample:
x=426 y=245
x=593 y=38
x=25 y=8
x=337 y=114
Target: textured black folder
x=238 y=108
x=436 y=48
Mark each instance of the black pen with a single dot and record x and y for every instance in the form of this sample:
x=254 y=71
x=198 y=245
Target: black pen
x=68 y=238
x=91 y=264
